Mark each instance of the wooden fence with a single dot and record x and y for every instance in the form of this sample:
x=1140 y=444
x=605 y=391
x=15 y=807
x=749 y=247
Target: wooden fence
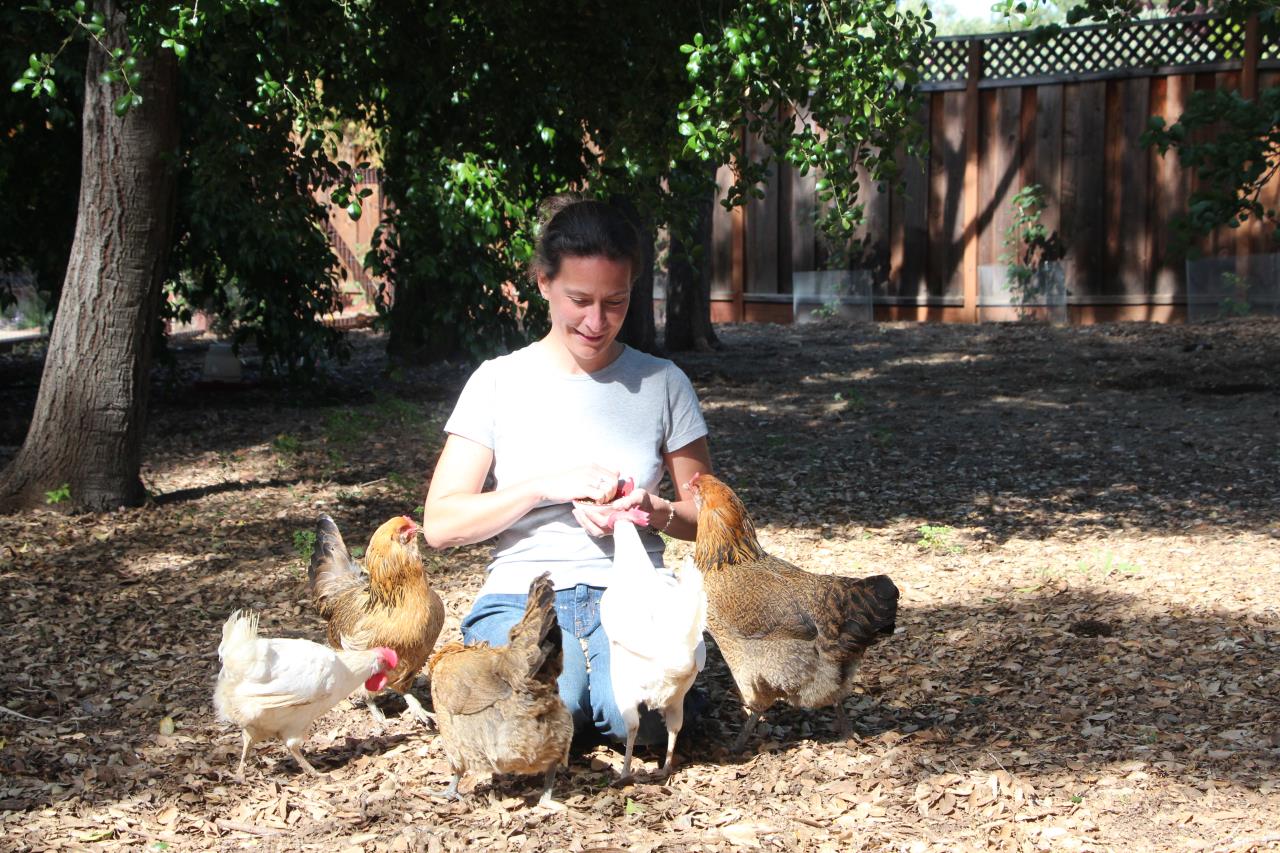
x=1003 y=112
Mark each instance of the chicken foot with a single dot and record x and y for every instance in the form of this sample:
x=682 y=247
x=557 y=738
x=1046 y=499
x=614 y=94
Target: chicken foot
x=451 y=792
x=415 y=707
x=746 y=730
x=293 y=744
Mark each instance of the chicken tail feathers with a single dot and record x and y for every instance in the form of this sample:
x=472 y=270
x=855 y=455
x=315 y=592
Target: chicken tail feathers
x=860 y=611
x=332 y=570
x=535 y=639
x=239 y=637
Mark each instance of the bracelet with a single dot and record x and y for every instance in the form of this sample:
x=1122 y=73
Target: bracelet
x=671 y=514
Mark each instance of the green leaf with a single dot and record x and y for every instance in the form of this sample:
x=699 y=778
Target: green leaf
x=354 y=210
x=121 y=104
x=50 y=88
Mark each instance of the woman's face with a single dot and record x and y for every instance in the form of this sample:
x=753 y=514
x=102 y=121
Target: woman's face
x=587 y=301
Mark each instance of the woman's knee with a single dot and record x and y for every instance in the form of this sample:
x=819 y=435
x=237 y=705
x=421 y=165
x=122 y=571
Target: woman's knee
x=491 y=619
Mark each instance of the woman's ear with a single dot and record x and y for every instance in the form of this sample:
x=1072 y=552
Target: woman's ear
x=544 y=286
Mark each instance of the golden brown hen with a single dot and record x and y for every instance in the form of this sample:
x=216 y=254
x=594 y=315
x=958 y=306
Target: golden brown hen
x=499 y=709
x=785 y=633
x=393 y=605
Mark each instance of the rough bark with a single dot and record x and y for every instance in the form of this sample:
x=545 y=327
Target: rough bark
x=688 y=324
x=90 y=414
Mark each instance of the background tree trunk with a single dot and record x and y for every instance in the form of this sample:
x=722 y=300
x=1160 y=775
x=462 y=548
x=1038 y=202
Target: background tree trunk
x=688 y=324
x=90 y=415
x=638 y=329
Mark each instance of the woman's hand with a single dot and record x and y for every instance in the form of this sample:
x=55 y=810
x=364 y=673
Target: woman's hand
x=598 y=521
x=586 y=482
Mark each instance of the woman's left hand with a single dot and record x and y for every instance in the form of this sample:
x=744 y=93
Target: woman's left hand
x=598 y=521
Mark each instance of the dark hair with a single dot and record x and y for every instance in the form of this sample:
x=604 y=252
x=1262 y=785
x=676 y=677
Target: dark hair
x=574 y=227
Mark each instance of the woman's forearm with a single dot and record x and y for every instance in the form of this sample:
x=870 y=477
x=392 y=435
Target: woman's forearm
x=464 y=518
x=680 y=522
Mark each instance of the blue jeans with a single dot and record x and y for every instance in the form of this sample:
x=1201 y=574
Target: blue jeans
x=585 y=685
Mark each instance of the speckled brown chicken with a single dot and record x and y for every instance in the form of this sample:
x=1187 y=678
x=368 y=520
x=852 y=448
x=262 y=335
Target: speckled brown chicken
x=785 y=633
x=393 y=605
x=499 y=709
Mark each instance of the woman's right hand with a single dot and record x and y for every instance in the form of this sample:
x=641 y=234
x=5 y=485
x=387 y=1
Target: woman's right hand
x=586 y=482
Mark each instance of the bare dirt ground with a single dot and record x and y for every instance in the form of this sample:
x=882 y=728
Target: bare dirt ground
x=1084 y=524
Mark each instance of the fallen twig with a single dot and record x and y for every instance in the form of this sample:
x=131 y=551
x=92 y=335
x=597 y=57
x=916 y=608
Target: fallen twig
x=252 y=829
x=23 y=716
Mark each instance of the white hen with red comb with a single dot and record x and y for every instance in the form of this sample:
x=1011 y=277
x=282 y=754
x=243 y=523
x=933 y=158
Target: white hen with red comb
x=654 y=623
x=279 y=687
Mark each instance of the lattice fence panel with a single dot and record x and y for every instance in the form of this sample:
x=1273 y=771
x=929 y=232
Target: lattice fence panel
x=1096 y=50
x=1271 y=42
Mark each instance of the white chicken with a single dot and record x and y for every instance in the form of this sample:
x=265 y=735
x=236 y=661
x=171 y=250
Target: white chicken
x=654 y=623
x=278 y=687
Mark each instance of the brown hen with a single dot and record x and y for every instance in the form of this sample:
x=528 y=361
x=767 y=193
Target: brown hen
x=499 y=709
x=392 y=605
x=785 y=633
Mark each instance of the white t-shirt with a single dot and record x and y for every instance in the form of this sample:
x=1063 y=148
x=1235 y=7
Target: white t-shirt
x=537 y=420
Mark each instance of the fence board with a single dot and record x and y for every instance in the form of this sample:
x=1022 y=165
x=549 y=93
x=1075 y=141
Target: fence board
x=1168 y=190
x=1046 y=165
x=801 y=215
x=1128 y=239
x=944 y=226
x=875 y=232
x=762 y=230
x=1083 y=127
x=910 y=214
x=1000 y=173
x=722 y=238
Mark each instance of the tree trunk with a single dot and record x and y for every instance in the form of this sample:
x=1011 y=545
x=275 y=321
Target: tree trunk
x=689 y=291
x=90 y=415
x=638 y=329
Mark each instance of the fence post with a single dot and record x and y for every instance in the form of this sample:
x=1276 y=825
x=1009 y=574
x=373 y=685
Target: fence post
x=1252 y=50
x=972 y=114
x=1244 y=235
x=738 y=252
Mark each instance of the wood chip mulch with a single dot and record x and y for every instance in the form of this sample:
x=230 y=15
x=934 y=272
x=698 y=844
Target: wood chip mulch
x=1084 y=524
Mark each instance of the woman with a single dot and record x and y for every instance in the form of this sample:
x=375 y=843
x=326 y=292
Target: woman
x=564 y=419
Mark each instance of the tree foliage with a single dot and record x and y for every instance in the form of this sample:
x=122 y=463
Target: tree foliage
x=1233 y=144
x=40 y=155
x=479 y=109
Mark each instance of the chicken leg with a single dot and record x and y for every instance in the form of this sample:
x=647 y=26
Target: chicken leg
x=674 y=720
x=626 y=759
x=746 y=731
x=249 y=741
x=549 y=782
x=843 y=729
x=451 y=792
x=293 y=744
